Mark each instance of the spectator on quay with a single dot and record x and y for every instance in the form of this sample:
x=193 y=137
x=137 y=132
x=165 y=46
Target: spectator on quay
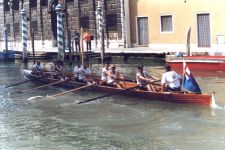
x=87 y=38
x=77 y=40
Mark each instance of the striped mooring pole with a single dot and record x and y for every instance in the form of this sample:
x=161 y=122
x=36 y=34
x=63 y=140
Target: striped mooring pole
x=59 y=11
x=100 y=29
x=24 y=33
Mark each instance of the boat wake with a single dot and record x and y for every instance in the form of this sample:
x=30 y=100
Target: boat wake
x=34 y=97
x=214 y=105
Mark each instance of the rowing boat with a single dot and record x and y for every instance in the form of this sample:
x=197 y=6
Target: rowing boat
x=203 y=99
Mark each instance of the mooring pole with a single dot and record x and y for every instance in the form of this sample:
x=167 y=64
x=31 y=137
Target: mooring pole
x=24 y=33
x=59 y=10
x=100 y=30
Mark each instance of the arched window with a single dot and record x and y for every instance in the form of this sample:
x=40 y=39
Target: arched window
x=69 y=1
x=16 y=4
x=33 y=3
x=43 y=2
x=6 y=6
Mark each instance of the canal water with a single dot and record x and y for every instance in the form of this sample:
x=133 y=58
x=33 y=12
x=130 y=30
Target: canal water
x=113 y=123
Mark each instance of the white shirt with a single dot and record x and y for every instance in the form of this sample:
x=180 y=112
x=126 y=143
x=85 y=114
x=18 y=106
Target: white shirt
x=37 y=68
x=104 y=75
x=112 y=79
x=171 y=78
x=139 y=74
x=82 y=73
x=76 y=71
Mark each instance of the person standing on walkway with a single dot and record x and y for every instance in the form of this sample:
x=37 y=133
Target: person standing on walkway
x=77 y=40
x=87 y=38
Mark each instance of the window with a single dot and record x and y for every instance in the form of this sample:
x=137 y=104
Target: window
x=33 y=3
x=203 y=26
x=15 y=5
x=8 y=28
x=44 y=2
x=69 y=1
x=84 y=22
x=16 y=28
x=6 y=6
x=34 y=25
x=111 y=21
x=166 y=23
x=83 y=1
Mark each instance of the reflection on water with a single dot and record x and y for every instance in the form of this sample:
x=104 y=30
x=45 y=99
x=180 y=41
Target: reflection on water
x=114 y=122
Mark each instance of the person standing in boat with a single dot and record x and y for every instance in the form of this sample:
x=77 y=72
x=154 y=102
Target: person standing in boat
x=113 y=76
x=37 y=69
x=171 y=81
x=105 y=71
x=144 y=80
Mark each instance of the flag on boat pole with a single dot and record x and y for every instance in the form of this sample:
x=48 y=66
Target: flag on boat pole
x=189 y=82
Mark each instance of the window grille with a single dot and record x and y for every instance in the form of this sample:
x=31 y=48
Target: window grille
x=44 y=2
x=6 y=6
x=34 y=25
x=111 y=21
x=8 y=28
x=33 y=3
x=84 y=22
x=16 y=28
x=203 y=25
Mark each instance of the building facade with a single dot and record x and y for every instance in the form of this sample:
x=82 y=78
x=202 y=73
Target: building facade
x=41 y=18
x=178 y=25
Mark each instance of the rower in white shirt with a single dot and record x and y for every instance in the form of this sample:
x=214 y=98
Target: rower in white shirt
x=104 y=75
x=76 y=72
x=171 y=81
x=83 y=73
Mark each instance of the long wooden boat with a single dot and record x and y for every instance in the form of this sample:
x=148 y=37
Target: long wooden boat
x=203 y=99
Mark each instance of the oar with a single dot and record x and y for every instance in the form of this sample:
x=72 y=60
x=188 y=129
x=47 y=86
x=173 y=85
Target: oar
x=40 y=86
x=76 y=89
x=110 y=94
x=19 y=83
x=106 y=95
x=23 y=82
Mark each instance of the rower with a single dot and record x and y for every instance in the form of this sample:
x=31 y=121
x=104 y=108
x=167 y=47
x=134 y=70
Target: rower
x=59 y=69
x=52 y=70
x=37 y=69
x=83 y=73
x=76 y=72
x=171 y=81
x=144 y=80
x=113 y=76
x=105 y=71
